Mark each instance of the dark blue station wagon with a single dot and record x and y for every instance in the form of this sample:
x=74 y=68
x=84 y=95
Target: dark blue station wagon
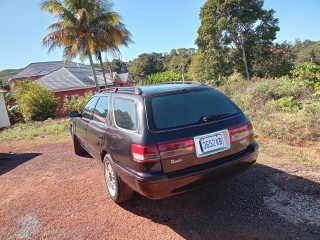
x=161 y=140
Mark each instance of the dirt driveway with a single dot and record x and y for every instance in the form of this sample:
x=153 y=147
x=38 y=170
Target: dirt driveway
x=47 y=192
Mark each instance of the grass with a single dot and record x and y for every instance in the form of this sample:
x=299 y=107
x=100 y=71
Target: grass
x=38 y=132
x=273 y=151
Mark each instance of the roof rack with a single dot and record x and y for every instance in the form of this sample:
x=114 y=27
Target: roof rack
x=134 y=90
x=181 y=82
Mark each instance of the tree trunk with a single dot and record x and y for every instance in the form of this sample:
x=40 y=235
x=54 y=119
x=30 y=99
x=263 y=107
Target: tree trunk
x=103 y=73
x=245 y=62
x=182 y=75
x=93 y=70
x=110 y=72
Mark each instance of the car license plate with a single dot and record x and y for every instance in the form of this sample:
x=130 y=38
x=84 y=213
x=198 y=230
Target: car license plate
x=212 y=143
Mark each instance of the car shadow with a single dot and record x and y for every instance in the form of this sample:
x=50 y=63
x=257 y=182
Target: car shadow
x=261 y=203
x=85 y=154
x=9 y=161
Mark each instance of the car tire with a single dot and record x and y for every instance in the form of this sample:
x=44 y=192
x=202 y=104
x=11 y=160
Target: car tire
x=117 y=189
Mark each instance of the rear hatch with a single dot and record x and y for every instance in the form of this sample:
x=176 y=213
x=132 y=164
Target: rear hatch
x=195 y=127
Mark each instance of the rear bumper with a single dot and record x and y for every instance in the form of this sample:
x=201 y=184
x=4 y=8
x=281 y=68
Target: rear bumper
x=157 y=185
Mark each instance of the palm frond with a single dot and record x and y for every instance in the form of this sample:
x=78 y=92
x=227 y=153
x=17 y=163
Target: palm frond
x=85 y=27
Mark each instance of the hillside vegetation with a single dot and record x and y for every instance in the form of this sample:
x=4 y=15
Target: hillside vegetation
x=282 y=108
x=6 y=74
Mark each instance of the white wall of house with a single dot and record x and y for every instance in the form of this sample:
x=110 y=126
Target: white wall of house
x=4 y=119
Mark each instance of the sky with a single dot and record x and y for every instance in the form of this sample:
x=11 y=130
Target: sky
x=155 y=25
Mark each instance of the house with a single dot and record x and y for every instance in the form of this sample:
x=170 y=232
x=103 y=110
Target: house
x=117 y=80
x=69 y=80
x=39 y=69
x=4 y=119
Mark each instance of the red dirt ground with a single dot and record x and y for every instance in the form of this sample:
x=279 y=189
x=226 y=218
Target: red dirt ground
x=48 y=192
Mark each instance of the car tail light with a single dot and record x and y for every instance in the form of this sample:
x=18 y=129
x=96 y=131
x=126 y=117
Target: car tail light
x=143 y=153
x=152 y=153
x=178 y=148
x=240 y=132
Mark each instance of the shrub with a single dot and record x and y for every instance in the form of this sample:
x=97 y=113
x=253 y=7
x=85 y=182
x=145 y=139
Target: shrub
x=15 y=115
x=234 y=84
x=165 y=77
x=36 y=102
x=287 y=104
x=277 y=88
x=76 y=103
x=309 y=73
x=312 y=108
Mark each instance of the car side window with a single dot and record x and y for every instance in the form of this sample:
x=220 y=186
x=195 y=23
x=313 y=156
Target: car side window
x=88 y=108
x=125 y=113
x=101 y=111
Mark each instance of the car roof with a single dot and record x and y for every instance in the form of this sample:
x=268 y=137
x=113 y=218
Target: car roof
x=155 y=88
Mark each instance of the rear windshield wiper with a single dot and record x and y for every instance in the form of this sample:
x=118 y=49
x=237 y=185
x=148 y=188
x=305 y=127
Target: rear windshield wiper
x=210 y=117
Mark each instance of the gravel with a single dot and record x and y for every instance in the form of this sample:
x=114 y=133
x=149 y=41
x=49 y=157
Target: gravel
x=47 y=192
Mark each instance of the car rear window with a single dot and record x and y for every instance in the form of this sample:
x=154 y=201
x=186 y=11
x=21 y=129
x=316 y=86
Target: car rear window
x=188 y=108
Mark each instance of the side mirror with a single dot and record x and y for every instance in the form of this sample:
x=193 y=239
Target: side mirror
x=74 y=114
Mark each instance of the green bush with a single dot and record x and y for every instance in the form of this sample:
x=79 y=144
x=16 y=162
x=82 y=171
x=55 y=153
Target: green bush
x=165 y=77
x=308 y=73
x=288 y=103
x=244 y=101
x=312 y=108
x=76 y=103
x=277 y=88
x=15 y=115
x=36 y=102
x=234 y=84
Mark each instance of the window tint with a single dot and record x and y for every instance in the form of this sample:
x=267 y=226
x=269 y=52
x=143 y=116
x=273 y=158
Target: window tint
x=88 y=109
x=125 y=113
x=101 y=110
x=189 y=108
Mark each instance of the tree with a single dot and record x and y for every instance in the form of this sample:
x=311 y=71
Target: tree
x=165 y=77
x=146 y=64
x=277 y=62
x=307 y=51
x=210 y=66
x=179 y=60
x=119 y=35
x=118 y=66
x=83 y=27
x=237 y=28
x=198 y=68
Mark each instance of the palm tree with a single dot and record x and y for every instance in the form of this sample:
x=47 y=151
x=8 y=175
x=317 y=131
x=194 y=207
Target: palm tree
x=83 y=27
x=119 y=35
